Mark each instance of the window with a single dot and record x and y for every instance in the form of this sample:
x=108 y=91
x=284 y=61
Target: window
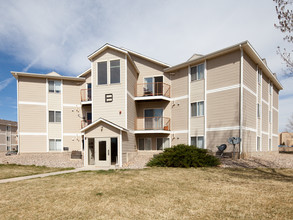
x=55 y=145
x=197 y=72
x=197 y=108
x=102 y=73
x=8 y=128
x=54 y=116
x=162 y=143
x=258 y=144
x=115 y=71
x=145 y=144
x=259 y=74
x=270 y=144
x=8 y=148
x=271 y=88
x=8 y=138
x=54 y=86
x=258 y=111
x=197 y=141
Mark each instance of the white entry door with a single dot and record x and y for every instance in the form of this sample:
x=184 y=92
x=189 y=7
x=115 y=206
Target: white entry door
x=103 y=152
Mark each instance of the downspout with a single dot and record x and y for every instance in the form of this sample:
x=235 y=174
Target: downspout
x=241 y=103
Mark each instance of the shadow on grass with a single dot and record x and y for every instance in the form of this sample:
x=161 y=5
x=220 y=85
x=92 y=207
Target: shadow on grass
x=282 y=175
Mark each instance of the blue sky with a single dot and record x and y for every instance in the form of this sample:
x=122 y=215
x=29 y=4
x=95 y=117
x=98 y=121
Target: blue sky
x=41 y=36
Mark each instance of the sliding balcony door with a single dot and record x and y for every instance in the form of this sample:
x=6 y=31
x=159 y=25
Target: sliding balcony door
x=153 y=119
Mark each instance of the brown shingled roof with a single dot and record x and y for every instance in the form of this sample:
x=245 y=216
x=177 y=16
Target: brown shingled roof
x=7 y=122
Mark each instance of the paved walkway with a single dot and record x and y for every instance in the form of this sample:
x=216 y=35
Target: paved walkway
x=46 y=174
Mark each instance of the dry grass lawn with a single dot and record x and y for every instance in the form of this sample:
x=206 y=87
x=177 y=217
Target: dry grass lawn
x=155 y=193
x=13 y=170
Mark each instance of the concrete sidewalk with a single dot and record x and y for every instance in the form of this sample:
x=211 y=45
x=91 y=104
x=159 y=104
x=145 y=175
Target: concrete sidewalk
x=45 y=175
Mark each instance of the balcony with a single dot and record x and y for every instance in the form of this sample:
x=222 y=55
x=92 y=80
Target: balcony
x=150 y=91
x=85 y=123
x=153 y=125
x=86 y=95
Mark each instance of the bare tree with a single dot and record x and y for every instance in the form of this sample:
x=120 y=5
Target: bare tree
x=285 y=17
x=290 y=124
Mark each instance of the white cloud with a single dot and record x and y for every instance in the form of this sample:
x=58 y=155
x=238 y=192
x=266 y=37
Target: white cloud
x=58 y=35
x=5 y=83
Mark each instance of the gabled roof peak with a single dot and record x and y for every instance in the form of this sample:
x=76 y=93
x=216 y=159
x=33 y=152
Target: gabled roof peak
x=53 y=73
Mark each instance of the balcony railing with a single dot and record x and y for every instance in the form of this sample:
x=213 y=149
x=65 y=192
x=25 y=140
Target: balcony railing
x=86 y=95
x=153 y=123
x=85 y=123
x=152 y=89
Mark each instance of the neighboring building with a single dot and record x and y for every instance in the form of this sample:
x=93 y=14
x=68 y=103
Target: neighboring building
x=8 y=135
x=286 y=138
x=127 y=103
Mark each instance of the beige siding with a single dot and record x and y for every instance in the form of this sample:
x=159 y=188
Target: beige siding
x=249 y=73
x=102 y=130
x=3 y=128
x=148 y=69
x=181 y=138
x=32 y=118
x=223 y=71
x=249 y=109
x=275 y=122
x=265 y=118
x=197 y=90
x=54 y=130
x=265 y=87
x=265 y=142
x=276 y=98
x=179 y=85
x=71 y=92
x=31 y=89
x=223 y=108
x=131 y=85
x=111 y=110
x=216 y=138
x=72 y=142
x=275 y=143
x=54 y=101
x=179 y=115
x=71 y=120
x=128 y=144
x=248 y=141
x=36 y=143
x=197 y=126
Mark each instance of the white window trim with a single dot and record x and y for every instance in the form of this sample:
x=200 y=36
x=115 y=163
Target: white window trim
x=164 y=138
x=55 y=141
x=54 y=116
x=196 y=141
x=55 y=91
x=195 y=80
x=197 y=108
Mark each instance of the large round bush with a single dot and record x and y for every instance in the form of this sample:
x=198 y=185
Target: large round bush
x=184 y=156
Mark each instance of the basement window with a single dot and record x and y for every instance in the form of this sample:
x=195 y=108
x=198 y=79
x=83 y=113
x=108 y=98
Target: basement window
x=54 y=144
x=197 y=141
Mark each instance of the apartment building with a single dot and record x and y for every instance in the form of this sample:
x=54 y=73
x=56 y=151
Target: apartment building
x=8 y=135
x=127 y=103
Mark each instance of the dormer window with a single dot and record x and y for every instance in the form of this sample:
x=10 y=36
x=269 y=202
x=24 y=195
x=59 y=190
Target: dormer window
x=115 y=71
x=102 y=73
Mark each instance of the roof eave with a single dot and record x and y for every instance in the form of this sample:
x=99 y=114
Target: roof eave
x=45 y=76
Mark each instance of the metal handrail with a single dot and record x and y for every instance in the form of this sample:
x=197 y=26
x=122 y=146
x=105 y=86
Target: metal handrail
x=85 y=123
x=157 y=89
x=153 y=123
x=85 y=95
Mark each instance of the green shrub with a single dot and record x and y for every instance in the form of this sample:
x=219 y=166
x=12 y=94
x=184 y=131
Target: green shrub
x=184 y=156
